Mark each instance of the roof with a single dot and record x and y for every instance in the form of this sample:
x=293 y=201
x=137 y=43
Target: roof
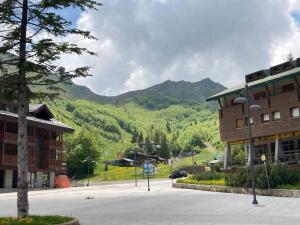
x=36 y=108
x=54 y=124
x=261 y=82
x=128 y=160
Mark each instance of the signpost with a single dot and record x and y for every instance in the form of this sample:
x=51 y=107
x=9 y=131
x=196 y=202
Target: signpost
x=263 y=158
x=149 y=169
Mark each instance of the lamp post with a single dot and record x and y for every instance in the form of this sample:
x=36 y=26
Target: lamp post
x=148 y=171
x=89 y=161
x=245 y=99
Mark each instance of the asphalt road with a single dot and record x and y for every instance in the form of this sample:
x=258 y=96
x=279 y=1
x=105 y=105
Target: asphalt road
x=124 y=204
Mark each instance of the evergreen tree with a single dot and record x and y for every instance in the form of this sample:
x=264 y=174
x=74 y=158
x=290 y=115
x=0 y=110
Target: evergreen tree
x=164 y=151
x=23 y=24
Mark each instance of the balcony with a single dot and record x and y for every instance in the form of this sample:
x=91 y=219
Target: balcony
x=11 y=160
x=14 y=137
x=55 y=143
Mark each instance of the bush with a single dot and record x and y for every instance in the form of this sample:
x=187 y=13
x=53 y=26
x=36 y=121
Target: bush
x=278 y=175
x=207 y=176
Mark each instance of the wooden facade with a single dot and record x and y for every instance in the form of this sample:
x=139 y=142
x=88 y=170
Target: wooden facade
x=45 y=147
x=276 y=125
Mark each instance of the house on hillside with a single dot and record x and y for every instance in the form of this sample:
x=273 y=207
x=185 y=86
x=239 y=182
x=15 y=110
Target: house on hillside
x=141 y=158
x=45 y=146
x=275 y=126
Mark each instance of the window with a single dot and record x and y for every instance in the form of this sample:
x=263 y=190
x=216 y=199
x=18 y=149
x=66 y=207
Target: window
x=53 y=154
x=239 y=123
x=12 y=128
x=276 y=116
x=287 y=88
x=265 y=118
x=294 y=112
x=259 y=95
x=246 y=121
x=10 y=149
x=288 y=146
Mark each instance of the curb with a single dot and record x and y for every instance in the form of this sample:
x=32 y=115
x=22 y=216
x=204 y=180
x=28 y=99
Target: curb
x=239 y=190
x=72 y=222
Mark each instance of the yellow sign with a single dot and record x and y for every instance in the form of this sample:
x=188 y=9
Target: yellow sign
x=263 y=157
x=268 y=138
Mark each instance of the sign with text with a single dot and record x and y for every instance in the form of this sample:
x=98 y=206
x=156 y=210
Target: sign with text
x=149 y=169
x=268 y=138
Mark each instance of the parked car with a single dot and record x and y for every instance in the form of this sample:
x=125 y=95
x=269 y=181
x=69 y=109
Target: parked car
x=178 y=174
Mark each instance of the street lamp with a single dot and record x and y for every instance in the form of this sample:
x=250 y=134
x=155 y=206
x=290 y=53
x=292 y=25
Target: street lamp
x=148 y=172
x=246 y=99
x=89 y=165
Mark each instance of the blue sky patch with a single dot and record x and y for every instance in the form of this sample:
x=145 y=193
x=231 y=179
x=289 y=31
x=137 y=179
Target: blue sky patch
x=296 y=15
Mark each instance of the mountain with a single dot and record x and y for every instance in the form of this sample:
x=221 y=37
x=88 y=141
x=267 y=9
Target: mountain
x=156 y=97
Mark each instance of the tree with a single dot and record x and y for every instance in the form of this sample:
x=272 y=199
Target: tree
x=81 y=151
x=164 y=150
x=27 y=32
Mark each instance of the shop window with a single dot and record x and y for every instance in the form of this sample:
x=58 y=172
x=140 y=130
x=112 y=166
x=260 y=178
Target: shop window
x=288 y=146
x=239 y=123
x=259 y=95
x=265 y=118
x=276 y=116
x=287 y=88
x=10 y=149
x=246 y=121
x=294 y=112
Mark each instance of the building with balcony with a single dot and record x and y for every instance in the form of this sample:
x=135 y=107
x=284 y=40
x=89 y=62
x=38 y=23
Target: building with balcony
x=45 y=146
x=275 y=126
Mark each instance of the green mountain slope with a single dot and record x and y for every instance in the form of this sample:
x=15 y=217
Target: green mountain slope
x=156 y=97
x=112 y=126
x=174 y=109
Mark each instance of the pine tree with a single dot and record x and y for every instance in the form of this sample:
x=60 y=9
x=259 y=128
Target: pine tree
x=31 y=62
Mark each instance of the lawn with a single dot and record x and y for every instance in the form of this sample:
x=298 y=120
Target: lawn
x=161 y=171
x=35 y=220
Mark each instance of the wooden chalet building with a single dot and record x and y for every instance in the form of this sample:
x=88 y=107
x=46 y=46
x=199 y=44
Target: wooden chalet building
x=275 y=126
x=45 y=146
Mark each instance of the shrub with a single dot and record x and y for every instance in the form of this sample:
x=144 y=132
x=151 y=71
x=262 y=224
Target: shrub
x=207 y=176
x=278 y=175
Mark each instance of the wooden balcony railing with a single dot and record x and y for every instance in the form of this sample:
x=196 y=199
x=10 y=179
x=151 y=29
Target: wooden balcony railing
x=14 y=137
x=55 y=143
x=11 y=160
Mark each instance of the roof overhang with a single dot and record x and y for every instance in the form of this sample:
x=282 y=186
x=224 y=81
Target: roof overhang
x=46 y=124
x=258 y=83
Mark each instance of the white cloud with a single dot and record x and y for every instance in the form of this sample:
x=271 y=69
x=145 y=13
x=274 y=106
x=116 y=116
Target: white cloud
x=142 y=43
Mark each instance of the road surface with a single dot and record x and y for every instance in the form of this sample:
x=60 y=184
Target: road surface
x=125 y=204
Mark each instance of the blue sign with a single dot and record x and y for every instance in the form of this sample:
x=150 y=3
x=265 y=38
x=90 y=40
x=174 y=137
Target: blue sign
x=149 y=169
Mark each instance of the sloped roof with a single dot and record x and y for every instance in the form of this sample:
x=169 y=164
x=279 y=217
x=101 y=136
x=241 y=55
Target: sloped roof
x=54 y=124
x=262 y=82
x=36 y=108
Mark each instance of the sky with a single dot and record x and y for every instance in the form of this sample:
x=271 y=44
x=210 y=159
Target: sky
x=145 y=42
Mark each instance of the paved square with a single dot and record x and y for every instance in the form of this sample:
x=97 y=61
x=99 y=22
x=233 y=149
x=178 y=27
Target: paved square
x=125 y=204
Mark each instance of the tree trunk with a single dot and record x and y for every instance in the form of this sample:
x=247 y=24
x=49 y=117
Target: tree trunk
x=22 y=202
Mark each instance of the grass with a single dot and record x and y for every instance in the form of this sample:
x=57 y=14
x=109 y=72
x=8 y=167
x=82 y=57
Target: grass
x=126 y=173
x=204 y=156
x=34 y=220
x=162 y=171
x=189 y=180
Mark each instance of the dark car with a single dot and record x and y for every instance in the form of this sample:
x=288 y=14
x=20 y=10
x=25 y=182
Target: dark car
x=178 y=174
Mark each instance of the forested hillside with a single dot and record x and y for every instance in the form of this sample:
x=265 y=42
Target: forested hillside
x=173 y=114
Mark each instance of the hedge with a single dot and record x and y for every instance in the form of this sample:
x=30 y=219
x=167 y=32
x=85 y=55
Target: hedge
x=278 y=175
